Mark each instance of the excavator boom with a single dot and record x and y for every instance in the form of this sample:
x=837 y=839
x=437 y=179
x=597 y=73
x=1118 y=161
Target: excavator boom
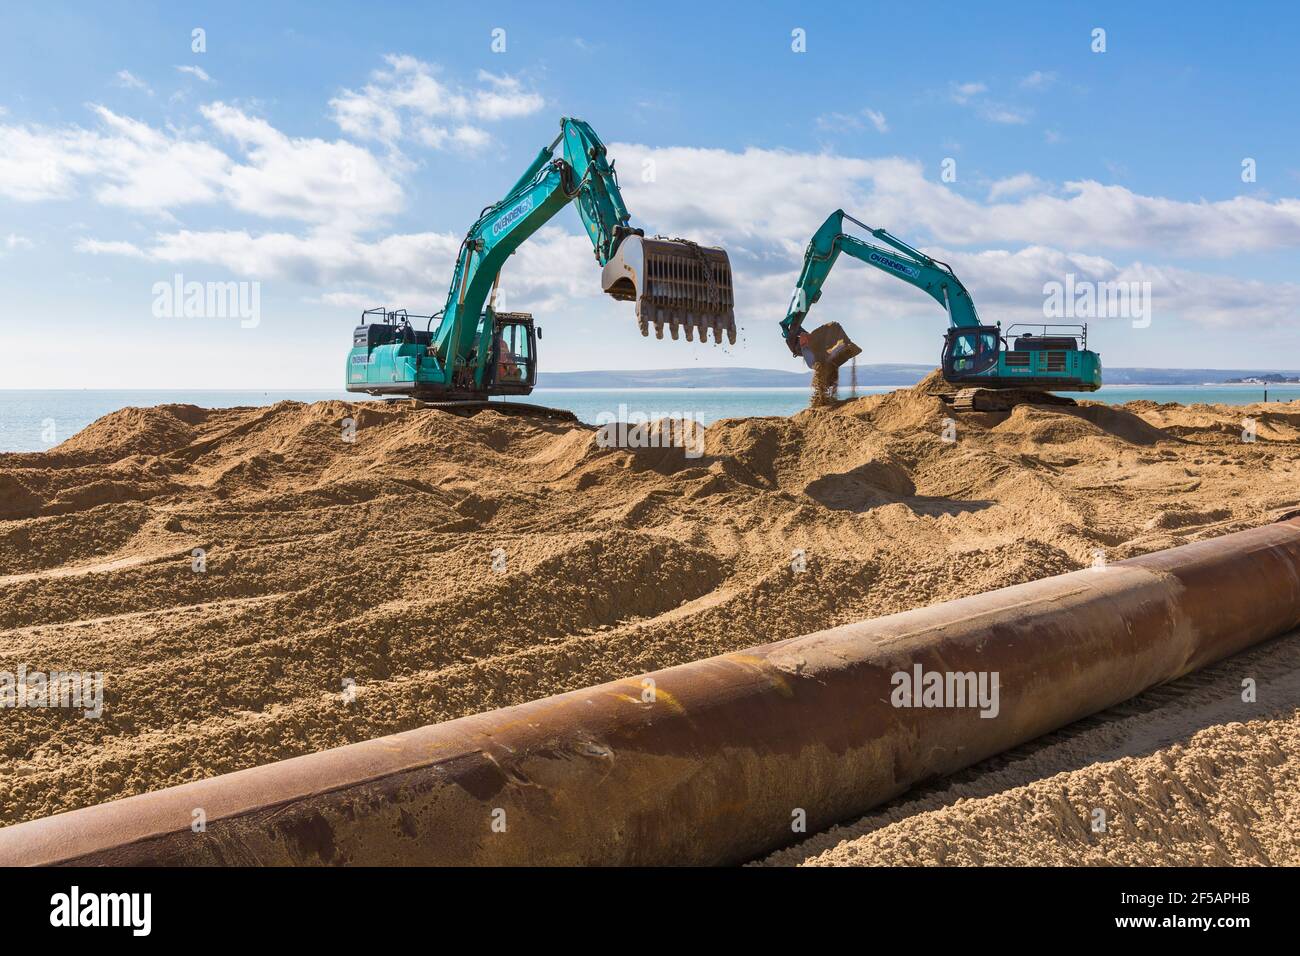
x=904 y=262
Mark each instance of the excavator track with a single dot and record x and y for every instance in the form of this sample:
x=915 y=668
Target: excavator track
x=474 y=406
x=1002 y=399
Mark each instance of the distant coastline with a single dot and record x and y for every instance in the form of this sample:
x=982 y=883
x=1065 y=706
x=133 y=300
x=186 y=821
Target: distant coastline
x=1268 y=379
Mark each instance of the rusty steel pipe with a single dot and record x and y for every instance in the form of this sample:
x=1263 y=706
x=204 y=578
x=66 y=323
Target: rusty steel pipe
x=709 y=764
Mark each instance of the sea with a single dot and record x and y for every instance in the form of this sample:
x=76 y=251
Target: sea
x=34 y=420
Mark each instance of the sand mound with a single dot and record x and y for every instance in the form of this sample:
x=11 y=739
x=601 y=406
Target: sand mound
x=132 y=431
x=1050 y=425
x=443 y=565
x=932 y=384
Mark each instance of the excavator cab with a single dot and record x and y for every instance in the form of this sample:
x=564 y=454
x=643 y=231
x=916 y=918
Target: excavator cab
x=513 y=365
x=970 y=351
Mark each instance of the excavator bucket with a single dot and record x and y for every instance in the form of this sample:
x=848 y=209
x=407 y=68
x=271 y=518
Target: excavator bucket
x=674 y=283
x=830 y=345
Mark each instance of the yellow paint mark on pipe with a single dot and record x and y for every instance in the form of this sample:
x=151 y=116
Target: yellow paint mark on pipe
x=658 y=695
x=772 y=675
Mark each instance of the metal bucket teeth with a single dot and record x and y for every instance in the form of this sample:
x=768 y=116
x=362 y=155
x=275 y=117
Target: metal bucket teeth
x=677 y=282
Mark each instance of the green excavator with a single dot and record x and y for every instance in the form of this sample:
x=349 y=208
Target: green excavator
x=475 y=351
x=992 y=370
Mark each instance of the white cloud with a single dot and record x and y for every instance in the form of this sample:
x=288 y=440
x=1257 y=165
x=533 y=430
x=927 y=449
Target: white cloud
x=144 y=168
x=124 y=162
x=760 y=204
x=318 y=260
x=1015 y=186
x=130 y=164
x=842 y=121
x=127 y=162
x=1038 y=80
x=129 y=81
x=196 y=71
x=963 y=92
x=14 y=241
x=411 y=270
x=352 y=301
x=113 y=247
x=409 y=99
x=471 y=137
x=972 y=94
x=366 y=117
x=307 y=179
x=1009 y=285
x=504 y=98
x=764 y=204
x=1001 y=113
x=763 y=199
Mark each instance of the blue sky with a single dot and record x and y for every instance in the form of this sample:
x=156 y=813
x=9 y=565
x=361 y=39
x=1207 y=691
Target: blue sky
x=336 y=156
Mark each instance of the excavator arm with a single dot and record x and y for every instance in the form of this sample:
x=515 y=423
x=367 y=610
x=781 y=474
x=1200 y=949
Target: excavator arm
x=902 y=261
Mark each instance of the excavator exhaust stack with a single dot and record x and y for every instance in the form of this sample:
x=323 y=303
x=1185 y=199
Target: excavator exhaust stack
x=675 y=283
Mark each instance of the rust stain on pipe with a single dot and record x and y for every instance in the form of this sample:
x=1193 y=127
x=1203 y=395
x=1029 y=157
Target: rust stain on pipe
x=710 y=768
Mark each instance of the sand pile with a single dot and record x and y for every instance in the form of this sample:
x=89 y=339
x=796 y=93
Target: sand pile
x=434 y=566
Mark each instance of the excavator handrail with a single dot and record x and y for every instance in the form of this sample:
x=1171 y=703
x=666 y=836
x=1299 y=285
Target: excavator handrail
x=1045 y=326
